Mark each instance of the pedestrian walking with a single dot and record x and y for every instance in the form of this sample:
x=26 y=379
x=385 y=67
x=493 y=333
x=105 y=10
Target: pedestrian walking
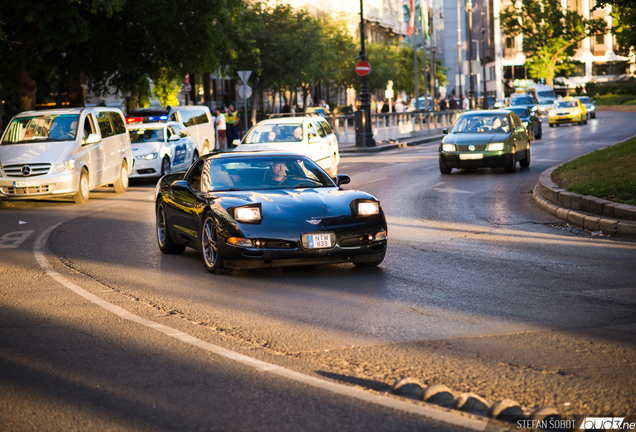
x=442 y=103
x=220 y=129
x=232 y=128
x=465 y=103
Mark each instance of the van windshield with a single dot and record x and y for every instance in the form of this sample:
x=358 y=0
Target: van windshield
x=43 y=128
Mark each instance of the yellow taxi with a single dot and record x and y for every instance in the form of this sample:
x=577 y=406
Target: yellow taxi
x=568 y=110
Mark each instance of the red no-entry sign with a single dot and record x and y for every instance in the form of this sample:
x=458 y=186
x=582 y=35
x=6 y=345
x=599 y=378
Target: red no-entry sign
x=363 y=68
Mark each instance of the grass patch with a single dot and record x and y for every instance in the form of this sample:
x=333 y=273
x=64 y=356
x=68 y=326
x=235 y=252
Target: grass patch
x=611 y=99
x=609 y=173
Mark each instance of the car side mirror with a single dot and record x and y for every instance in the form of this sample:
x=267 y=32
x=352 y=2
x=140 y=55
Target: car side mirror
x=236 y=142
x=92 y=139
x=314 y=140
x=444 y=131
x=180 y=185
x=343 y=179
x=174 y=138
x=520 y=129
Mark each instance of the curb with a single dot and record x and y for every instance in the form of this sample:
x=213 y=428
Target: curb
x=584 y=211
x=627 y=108
x=393 y=145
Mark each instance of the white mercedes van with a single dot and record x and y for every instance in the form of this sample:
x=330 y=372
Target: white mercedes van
x=64 y=152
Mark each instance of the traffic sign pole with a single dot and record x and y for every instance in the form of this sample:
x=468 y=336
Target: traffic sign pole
x=247 y=92
x=365 y=105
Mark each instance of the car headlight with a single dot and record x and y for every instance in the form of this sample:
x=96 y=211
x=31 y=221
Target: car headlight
x=551 y=113
x=495 y=146
x=67 y=165
x=448 y=147
x=238 y=241
x=576 y=112
x=368 y=208
x=149 y=156
x=525 y=123
x=592 y=108
x=248 y=214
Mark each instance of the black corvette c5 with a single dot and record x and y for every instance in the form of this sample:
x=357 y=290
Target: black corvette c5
x=267 y=209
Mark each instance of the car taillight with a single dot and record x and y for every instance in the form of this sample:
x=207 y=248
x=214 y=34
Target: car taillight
x=133 y=120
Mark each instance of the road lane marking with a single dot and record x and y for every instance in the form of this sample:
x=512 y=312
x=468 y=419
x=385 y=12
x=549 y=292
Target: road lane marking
x=431 y=412
x=14 y=239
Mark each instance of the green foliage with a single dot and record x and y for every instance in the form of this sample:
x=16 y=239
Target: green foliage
x=550 y=34
x=627 y=87
x=609 y=173
x=404 y=76
x=623 y=23
x=166 y=88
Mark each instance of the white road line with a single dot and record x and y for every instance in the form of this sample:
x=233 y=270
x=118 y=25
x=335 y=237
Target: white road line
x=439 y=414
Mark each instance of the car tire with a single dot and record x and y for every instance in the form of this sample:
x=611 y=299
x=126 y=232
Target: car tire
x=165 y=166
x=370 y=263
x=164 y=239
x=208 y=246
x=551 y=125
x=83 y=190
x=444 y=169
x=121 y=185
x=525 y=162
x=530 y=134
x=195 y=156
x=594 y=116
x=511 y=165
x=585 y=121
x=540 y=134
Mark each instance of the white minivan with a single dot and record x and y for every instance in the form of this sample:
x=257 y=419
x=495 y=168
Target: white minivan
x=196 y=118
x=64 y=152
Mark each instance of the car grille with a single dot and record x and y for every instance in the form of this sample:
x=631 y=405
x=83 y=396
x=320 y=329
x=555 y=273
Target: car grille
x=37 y=169
x=31 y=190
x=477 y=148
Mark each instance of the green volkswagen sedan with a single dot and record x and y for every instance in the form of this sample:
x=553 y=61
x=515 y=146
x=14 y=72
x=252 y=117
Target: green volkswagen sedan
x=485 y=139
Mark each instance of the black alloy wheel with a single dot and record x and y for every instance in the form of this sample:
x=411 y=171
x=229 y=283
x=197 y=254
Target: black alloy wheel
x=511 y=165
x=525 y=162
x=209 y=247
x=165 y=166
x=166 y=244
x=444 y=169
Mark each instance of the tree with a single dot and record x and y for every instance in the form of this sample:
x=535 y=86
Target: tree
x=550 y=34
x=624 y=23
x=405 y=73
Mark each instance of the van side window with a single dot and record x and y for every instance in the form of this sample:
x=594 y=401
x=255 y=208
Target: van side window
x=311 y=132
x=188 y=118
x=326 y=126
x=118 y=123
x=201 y=117
x=173 y=117
x=89 y=128
x=320 y=130
x=103 y=120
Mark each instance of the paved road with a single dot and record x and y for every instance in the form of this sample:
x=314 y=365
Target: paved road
x=479 y=291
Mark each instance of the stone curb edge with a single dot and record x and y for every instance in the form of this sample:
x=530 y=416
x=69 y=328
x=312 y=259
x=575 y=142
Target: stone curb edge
x=385 y=147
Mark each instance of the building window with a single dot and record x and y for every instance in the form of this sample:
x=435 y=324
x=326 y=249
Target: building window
x=510 y=42
x=600 y=39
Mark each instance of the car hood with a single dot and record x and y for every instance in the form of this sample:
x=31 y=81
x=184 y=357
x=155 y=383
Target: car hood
x=289 y=146
x=35 y=153
x=144 y=148
x=475 y=138
x=315 y=203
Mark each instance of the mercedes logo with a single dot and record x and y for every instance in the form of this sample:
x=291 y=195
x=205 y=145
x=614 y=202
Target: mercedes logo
x=26 y=170
x=471 y=147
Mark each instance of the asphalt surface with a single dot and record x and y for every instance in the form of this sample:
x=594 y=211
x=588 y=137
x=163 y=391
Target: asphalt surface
x=479 y=291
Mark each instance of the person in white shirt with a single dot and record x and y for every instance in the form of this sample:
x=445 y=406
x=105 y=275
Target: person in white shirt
x=465 y=103
x=399 y=106
x=220 y=129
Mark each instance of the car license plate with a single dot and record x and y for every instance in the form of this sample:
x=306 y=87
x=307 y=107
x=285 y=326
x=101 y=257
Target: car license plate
x=26 y=183
x=318 y=241
x=471 y=156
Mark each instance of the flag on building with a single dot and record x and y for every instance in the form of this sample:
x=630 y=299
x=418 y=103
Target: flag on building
x=424 y=9
x=409 y=31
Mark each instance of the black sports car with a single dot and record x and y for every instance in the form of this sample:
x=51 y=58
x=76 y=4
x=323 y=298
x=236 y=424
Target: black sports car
x=267 y=209
x=530 y=120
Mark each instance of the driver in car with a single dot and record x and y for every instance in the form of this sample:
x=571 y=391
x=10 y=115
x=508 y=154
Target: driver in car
x=499 y=126
x=277 y=173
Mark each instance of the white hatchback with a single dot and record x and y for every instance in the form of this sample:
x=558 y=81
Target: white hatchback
x=308 y=136
x=64 y=152
x=161 y=148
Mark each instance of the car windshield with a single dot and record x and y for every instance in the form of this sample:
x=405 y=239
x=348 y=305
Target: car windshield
x=521 y=112
x=521 y=101
x=42 y=128
x=566 y=104
x=262 y=173
x=546 y=94
x=481 y=123
x=585 y=100
x=272 y=132
x=143 y=135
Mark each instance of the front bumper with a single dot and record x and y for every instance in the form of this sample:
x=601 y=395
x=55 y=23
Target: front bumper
x=352 y=245
x=564 y=119
x=496 y=159
x=146 y=168
x=47 y=185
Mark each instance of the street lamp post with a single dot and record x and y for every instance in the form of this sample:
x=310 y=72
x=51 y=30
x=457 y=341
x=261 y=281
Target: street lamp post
x=483 y=55
x=365 y=104
x=460 y=69
x=471 y=85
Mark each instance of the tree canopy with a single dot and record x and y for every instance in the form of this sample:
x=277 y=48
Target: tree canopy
x=551 y=34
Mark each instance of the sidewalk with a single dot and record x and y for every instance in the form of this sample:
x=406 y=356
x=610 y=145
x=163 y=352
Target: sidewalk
x=390 y=145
